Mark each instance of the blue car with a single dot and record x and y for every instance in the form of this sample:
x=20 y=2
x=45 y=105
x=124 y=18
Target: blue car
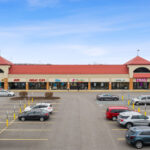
x=138 y=136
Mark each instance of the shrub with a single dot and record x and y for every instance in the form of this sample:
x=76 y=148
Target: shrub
x=48 y=94
x=23 y=94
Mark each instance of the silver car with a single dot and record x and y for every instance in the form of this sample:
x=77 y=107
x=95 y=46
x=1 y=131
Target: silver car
x=6 y=93
x=143 y=99
x=132 y=118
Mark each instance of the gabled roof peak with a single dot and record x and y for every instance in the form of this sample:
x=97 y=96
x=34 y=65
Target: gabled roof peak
x=138 y=61
x=4 y=61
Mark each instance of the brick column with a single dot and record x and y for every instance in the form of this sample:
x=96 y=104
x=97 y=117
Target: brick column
x=27 y=86
x=68 y=86
x=6 y=84
x=131 y=84
x=89 y=85
x=110 y=86
x=47 y=86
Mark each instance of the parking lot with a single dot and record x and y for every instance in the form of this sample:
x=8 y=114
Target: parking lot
x=78 y=123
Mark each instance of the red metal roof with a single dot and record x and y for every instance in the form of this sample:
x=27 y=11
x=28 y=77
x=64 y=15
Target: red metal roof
x=141 y=75
x=138 y=61
x=3 y=61
x=68 y=69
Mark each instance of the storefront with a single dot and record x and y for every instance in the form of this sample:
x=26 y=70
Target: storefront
x=99 y=85
x=135 y=74
x=141 y=83
x=58 y=85
x=17 y=85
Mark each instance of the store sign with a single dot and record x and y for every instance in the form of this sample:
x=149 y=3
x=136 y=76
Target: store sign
x=141 y=80
x=37 y=80
x=57 y=80
x=78 y=80
x=120 y=80
x=16 y=80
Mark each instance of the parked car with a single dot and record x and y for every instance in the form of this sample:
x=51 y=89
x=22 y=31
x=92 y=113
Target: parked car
x=45 y=106
x=132 y=118
x=6 y=93
x=113 y=111
x=105 y=97
x=143 y=99
x=138 y=136
x=36 y=114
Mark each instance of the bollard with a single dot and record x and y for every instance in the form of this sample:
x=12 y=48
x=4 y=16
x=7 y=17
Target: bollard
x=122 y=98
x=145 y=113
x=133 y=106
x=14 y=116
x=128 y=102
x=14 y=113
x=7 y=119
x=138 y=109
x=24 y=106
x=20 y=110
x=28 y=102
x=32 y=99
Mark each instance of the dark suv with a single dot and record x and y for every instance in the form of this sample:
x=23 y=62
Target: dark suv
x=138 y=136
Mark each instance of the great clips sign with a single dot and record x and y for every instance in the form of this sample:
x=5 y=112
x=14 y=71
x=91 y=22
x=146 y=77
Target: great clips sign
x=141 y=80
x=37 y=80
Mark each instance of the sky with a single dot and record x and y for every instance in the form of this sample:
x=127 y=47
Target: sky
x=74 y=31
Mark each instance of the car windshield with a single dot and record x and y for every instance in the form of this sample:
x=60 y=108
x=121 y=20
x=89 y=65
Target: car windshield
x=131 y=132
x=123 y=117
x=139 y=97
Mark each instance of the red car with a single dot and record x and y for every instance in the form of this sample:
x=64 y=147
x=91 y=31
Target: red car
x=113 y=111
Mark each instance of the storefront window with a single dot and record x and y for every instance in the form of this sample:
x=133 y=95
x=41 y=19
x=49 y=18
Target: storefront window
x=99 y=85
x=58 y=85
x=141 y=85
x=17 y=85
x=1 y=85
x=37 y=85
x=78 y=85
x=120 y=85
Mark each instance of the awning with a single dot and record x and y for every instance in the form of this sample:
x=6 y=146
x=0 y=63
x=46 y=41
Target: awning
x=141 y=75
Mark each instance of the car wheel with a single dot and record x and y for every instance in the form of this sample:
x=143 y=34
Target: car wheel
x=138 y=144
x=22 y=119
x=115 y=99
x=114 y=118
x=41 y=119
x=129 y=125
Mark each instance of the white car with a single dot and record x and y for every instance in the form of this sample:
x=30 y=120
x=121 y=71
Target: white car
x=132 y=118
x=46 y=106
x=143 y=99
x=6 y=93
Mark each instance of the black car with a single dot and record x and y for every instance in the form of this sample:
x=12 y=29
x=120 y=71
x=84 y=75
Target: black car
x=107 y=97
x=34 y=115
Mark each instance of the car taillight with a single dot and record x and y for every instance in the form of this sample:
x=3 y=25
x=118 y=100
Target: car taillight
x=49 y=107
x=132 y=137
x=121 y=120
x=46 y=114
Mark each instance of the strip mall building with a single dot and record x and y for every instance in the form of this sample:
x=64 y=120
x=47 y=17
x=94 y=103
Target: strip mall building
x=135 y=74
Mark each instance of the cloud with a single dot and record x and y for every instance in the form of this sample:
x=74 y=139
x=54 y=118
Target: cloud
x=43 y=3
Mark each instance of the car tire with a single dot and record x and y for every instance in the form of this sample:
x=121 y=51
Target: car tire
x=41 y=119
x=114 y=118
x=115 y=99
x=22 y=119
x=129 y=125
x=139 y=144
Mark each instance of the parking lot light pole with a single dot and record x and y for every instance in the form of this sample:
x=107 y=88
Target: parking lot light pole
x=139 y=109
x=128 y=102
x=32 y=99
